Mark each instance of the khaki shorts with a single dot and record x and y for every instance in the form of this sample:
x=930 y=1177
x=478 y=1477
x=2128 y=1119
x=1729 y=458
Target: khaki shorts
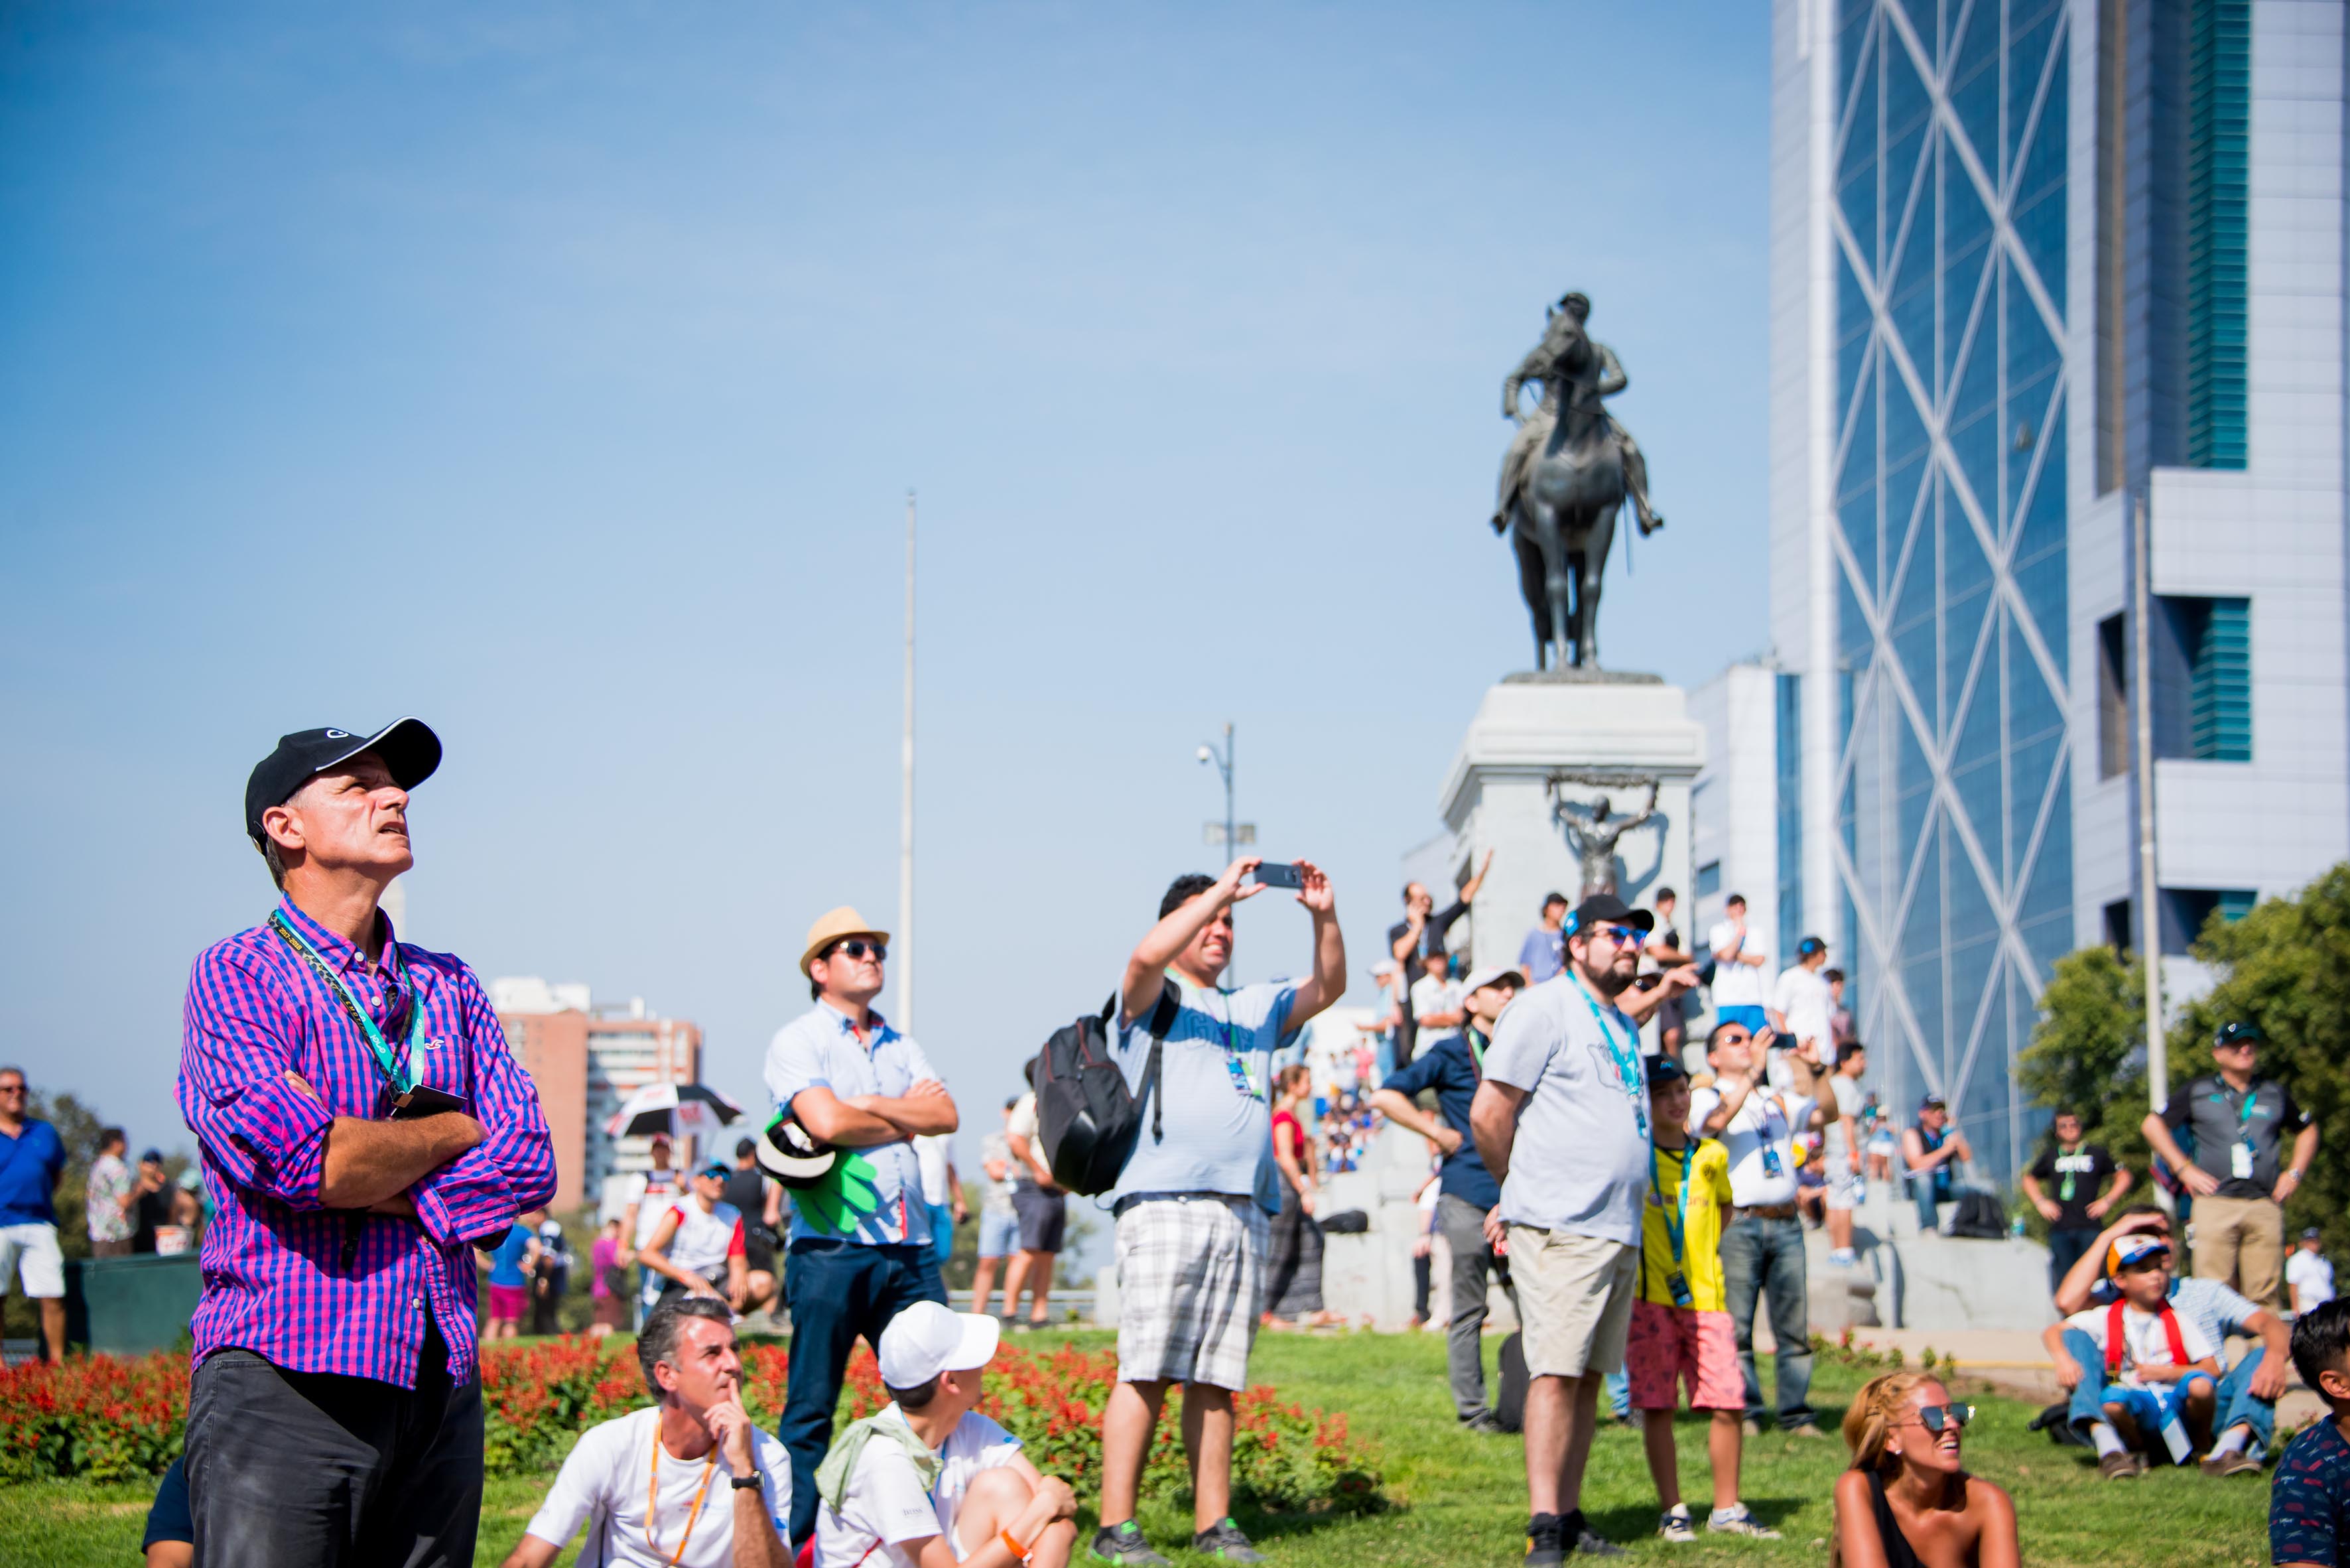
x=1575 y=1298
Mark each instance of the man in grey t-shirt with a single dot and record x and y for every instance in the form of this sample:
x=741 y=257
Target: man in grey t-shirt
x=1566 y=1092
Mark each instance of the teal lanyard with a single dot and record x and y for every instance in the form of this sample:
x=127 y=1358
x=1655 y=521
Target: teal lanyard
x=1242 y=1083
x=1676 y=1227
x=2244 y=1114
x=400 y=1075
x=1627 y=1061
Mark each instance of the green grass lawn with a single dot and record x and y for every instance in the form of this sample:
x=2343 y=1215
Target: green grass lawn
x=1461 y=1498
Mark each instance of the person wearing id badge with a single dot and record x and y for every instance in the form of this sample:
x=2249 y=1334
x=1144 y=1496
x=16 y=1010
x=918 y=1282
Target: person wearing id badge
x=1561 y=1121
x=1762 y=1244
x=363 y=1127
x=1680 y=1326
x=2239 y=1174
x=1191 y=1207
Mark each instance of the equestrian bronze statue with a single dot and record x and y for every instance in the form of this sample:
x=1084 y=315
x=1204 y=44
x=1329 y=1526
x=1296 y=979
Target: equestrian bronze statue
x=1568 y=468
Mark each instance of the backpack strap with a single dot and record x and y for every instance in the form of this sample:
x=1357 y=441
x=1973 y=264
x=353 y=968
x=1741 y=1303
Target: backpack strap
x=2170 y=1332
x=1162 y=1023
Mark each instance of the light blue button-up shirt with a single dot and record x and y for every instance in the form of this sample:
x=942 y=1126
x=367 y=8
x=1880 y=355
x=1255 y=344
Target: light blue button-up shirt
x=873 y=1195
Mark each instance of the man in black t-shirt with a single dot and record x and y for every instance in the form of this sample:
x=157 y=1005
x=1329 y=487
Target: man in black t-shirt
x=1419 y=935
x=2067 y=1185
x=154 y=1209
x=746 y=1188
x=2237 y=1172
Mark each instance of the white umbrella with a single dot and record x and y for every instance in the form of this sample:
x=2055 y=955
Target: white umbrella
x=681 y=1110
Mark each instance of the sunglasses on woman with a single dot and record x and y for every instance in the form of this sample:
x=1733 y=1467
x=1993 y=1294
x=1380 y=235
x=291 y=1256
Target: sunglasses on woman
x=1936 y=1417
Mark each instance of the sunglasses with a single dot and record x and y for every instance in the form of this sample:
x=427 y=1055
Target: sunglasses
x=858 y=947
x=11 y=1088
x=1937 y=1418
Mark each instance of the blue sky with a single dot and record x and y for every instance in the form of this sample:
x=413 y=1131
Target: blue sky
x=556 y=373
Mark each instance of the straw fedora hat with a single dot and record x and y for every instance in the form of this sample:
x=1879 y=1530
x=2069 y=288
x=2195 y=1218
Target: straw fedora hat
x=830 y=927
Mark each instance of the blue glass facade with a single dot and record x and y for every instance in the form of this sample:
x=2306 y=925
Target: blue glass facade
x=1954 y=815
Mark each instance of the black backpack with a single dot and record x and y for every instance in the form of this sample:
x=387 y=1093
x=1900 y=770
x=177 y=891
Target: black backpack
x=1087 y=1116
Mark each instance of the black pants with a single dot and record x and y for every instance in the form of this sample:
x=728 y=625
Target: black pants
x=306 y=1467
x=838 y=1290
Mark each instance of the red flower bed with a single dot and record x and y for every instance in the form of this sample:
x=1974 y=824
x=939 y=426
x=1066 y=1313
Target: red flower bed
x=111 y=1420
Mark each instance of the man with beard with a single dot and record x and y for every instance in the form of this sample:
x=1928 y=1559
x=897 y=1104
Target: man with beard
x=1565 y=1070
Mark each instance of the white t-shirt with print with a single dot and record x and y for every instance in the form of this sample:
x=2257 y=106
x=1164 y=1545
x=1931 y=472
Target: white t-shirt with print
x=2143 y=1344
x=1766 y=1119
x=1735 y=984
x=603 y=1486
x=2314 y=1275
x=886 y=1506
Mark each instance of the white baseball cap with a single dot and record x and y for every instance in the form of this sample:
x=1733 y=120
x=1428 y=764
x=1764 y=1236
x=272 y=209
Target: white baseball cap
x=1492 y=974
x=926 y=1339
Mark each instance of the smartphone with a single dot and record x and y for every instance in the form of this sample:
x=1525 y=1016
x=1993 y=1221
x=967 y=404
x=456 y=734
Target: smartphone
x=1647 y=982
x=422 y=1101
x=1279 y=874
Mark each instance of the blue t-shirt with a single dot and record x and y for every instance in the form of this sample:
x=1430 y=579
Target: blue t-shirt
x=1451 y=1069
x=2309 y=1501
x=29 y=1165
x=505 y=1259
x=1213 y=1078
x=1542 y=955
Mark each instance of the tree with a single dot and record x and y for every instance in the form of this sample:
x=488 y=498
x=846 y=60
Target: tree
x=2087 y=1056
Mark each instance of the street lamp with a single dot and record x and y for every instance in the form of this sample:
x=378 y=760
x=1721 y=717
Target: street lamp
x=1231 y=834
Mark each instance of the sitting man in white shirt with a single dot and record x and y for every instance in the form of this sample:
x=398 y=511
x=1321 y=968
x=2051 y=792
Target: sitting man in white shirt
x=697 y=1440
x=2307 y=1275
x=929 y=1482
x=699 y=1241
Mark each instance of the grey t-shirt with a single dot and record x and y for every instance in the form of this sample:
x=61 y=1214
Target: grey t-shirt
x=2222 y=1123
x=1580 y=1161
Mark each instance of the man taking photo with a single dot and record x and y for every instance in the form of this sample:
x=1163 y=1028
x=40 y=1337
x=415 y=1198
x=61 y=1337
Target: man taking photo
x=363 y=1127
x=1192 y=1204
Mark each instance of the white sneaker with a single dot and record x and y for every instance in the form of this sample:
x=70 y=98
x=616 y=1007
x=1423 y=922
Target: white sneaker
x=1674 y=1526
x=1739 y=1522
x=1843 y=1257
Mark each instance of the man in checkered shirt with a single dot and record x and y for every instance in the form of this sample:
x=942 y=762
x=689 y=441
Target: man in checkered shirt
x=1192 y=1202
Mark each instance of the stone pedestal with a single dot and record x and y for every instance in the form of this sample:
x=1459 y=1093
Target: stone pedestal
x=1498 y=796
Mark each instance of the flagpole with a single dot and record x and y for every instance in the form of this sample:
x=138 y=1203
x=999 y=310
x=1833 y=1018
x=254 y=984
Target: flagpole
x=905 y=940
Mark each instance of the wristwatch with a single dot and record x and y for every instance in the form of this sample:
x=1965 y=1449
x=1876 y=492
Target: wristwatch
x=751 y=1482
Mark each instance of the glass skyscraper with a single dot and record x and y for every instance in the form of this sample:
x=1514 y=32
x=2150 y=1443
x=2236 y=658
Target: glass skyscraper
x=2018 y=286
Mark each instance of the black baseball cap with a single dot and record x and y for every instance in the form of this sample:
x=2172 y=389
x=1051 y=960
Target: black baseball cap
x=1663 y=1068
x=1607 y=909
x=2236 y=1034
x=407 y=748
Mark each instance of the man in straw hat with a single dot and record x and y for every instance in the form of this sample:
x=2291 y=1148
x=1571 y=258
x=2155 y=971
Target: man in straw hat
x=861 y=1250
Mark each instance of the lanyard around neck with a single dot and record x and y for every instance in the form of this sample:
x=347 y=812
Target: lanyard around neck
x=1627 y=1061
x=400 y=1075
x=652 y=1498
x=1242 y=1084
x=1676 y=1228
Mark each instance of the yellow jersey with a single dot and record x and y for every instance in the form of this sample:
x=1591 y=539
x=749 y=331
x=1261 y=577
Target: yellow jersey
x=1704 y=1166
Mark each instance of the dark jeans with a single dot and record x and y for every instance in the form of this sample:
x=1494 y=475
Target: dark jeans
x=1764 y=1259
x=2065 y=1250
x=838 y=1290
x=2233 y=1403
x=306 y=1467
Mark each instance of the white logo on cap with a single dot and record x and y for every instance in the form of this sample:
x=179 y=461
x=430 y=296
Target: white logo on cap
x=339 y=735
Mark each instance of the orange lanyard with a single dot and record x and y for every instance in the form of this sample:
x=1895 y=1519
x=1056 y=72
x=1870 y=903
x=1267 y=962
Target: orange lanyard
x=652 y=1499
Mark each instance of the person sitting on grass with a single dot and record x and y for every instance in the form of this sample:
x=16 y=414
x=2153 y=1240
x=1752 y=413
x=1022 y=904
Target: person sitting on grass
x=2246 y=1404
x=689 y=1481
x=1908 y=1499
x=2160 y=1373
x=2309 y=1503
x=928 y=1481
x=1680 y=1325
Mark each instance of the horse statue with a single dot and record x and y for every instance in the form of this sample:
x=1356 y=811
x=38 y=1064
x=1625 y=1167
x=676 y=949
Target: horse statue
x=1568 y=468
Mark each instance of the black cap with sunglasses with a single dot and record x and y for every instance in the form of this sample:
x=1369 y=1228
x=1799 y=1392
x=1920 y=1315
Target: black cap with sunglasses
x=1607 y=909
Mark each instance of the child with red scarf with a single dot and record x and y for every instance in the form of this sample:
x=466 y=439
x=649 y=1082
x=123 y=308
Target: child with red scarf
x=2161 y=1373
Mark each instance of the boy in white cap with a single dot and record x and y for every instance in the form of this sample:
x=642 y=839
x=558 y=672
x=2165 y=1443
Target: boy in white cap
x=2160 y=1372
x=929 y=1482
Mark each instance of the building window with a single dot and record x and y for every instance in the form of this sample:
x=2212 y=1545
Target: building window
x=1709 y=879
x=2117 y=926
x=2186 y=910
x=2113 y=699
x=2219 y=143
x=2203 y=678
x=1791 y=811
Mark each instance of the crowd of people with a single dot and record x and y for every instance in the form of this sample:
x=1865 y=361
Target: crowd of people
x=369 y=1142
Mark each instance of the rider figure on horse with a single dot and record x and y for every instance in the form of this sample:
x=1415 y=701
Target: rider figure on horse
x=1566 y=325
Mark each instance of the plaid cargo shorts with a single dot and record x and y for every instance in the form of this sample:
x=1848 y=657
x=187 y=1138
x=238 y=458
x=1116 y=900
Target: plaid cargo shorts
x=1190 y=1284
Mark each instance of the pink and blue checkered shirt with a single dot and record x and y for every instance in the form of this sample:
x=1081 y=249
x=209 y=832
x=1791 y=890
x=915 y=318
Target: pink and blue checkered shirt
x=274 y=1281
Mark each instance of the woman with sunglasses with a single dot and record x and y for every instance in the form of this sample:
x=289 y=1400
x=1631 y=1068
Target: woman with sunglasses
x=1908 y=1501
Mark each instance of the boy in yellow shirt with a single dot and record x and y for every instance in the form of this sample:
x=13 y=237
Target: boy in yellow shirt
x=1680 y=1326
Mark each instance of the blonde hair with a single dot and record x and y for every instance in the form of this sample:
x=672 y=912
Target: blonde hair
x=1875 y=1410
